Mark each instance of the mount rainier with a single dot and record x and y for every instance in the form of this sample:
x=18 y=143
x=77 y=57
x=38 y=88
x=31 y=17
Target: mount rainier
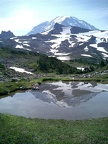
x=63 y=20
x=58 y=38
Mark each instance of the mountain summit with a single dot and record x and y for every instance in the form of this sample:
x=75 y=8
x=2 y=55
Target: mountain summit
x=6 y=34
x=64 y=20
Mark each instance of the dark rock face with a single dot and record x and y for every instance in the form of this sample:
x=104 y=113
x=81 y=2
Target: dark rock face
x=6 y=35
x=76 y=30
x=103 y=44
x=57 y=29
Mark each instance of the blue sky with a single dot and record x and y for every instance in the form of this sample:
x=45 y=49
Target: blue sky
x=20 y=16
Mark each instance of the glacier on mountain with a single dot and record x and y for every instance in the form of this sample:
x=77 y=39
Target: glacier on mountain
x=64 y=20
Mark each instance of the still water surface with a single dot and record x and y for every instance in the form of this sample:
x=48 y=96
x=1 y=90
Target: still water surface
x=59 y=100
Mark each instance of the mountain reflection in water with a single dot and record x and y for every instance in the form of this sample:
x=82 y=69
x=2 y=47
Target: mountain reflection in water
x=59 y=100
x=66 y=94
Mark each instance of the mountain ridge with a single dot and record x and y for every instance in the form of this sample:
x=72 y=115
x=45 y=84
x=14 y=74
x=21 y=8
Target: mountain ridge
x=6 y=34
x=64 y=43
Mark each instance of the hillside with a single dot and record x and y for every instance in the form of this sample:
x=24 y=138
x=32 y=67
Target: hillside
x=32 y=62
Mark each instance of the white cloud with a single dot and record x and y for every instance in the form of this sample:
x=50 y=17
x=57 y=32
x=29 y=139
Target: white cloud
x=21 y=20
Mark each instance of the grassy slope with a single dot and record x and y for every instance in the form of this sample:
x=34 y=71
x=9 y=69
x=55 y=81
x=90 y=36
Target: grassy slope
x=33 y=61
x=19 y=130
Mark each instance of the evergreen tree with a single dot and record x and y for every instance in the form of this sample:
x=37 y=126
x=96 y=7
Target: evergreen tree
x=102 y=63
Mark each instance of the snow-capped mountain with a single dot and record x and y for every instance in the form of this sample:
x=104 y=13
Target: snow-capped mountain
x=64 y=20
x=64 y=43
x=39 y=28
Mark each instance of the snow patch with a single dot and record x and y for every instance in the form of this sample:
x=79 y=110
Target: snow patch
x=82 y=38
x=80 y=68
x=63 y=58
x=13 y=37
x=26 y=45
x=66 y=31
x=105 y=55
x=20 y=70
x=25 y=42
x=62 y=54
x=53 y=51
x=34 y=38
x=81 y=44
x=71 y=44
x=19 y=46
x=86 y=49
x=17 y=40
x=96 y=33
x=86 y=55
x=98 y=48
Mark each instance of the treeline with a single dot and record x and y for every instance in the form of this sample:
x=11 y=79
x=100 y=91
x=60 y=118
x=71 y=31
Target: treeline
x=6 y=52
x=50 y=64
x=85 y=61
x=1 y=66
x=37 y=62
x=90 y=64
x=102 y=63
